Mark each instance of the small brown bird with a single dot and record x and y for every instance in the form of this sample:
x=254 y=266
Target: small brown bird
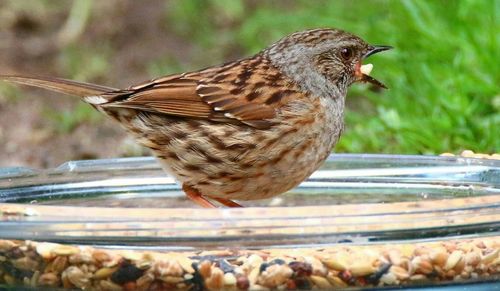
x=246 y=130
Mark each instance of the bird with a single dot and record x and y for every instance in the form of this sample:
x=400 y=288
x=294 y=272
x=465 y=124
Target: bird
x=248 y=129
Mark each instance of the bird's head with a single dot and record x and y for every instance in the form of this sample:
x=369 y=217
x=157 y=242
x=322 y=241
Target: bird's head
x=317 y=59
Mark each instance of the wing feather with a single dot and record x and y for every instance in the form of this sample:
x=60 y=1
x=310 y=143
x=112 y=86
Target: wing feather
x=247 y=91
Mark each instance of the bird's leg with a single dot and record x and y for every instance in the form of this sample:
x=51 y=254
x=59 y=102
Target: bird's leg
x=196 y=197
x=227 y=202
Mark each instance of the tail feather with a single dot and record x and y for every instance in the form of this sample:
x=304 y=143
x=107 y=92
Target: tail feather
x=64 y=86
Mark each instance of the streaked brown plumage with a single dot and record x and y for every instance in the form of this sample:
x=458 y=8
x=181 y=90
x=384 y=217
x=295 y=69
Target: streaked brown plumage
x=249 y=129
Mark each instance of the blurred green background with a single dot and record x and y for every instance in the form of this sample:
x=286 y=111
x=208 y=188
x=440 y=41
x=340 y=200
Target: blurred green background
x=443 y=74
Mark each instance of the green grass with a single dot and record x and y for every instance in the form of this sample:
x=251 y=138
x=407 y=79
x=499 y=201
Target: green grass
x=9 y=94
x=64 y=122
x=80 y=62
x=443 y=75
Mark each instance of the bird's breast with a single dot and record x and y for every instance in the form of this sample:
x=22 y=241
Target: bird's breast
x=240 y=162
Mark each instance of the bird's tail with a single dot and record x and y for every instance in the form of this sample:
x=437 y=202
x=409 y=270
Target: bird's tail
x=69 y=87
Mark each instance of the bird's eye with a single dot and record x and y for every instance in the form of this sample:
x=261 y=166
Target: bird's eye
x=346 y=53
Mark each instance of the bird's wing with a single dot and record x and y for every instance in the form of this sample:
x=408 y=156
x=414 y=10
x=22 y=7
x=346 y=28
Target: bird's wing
x=249 y=91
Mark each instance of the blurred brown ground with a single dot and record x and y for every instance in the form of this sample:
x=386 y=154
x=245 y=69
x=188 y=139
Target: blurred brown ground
x=134 y=34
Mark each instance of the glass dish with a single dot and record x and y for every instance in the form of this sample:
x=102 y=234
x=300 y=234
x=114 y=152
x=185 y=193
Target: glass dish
x=361 y=221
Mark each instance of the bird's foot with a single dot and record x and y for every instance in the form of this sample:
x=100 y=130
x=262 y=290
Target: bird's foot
x=197 y=198
x=227 y=202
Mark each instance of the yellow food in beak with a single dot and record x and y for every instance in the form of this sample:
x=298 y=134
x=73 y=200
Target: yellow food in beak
x=366 y=69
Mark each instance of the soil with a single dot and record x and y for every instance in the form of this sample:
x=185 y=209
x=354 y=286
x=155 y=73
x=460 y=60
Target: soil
x=28 y=44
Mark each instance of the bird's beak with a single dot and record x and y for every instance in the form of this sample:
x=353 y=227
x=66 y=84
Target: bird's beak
x=373 y=49
x=363 y=71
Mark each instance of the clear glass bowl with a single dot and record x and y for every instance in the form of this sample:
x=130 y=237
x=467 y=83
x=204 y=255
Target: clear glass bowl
x=407 y=220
